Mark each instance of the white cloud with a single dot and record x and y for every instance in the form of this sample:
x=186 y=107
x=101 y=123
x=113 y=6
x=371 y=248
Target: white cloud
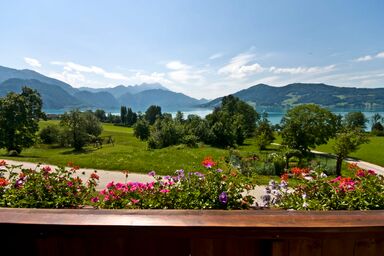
x=369 y=57
x=32 y=62
x=302 y=70
x=183 y=73
x=380 y=55
x=77 y=68
x=240 y=67
x=215 y=56
x=177 y=65
x=364 y=58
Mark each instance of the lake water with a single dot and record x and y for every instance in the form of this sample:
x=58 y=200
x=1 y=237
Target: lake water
x=274 y=116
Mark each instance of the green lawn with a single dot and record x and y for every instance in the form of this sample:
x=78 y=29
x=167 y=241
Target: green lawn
x=128 y=153
x=372 y=152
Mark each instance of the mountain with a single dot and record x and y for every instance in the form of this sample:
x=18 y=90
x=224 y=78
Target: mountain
x=122 y=89
x=26 y=74
x=263 y=95
x=103 y=100
x=53 y=96
x=168 y=100
x=58 y=95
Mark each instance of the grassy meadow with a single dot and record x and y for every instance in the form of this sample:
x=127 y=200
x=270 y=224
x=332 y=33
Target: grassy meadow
x=128 y=153
x=372 y=152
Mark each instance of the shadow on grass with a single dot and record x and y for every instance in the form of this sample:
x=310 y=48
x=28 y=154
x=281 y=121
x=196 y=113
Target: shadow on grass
x=78 y=152
x=17 y=156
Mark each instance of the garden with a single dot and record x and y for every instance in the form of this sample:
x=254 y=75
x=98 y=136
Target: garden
x=209 y=187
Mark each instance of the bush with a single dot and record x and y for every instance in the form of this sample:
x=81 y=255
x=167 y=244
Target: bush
x=363 y=191
x=44 y=188
x=190 y=140
x=141 y=129
x=217 y=189
x=50 y=134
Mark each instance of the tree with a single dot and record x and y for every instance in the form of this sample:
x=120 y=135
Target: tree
x=101 y=115
x=49 y=134
x=346 y=142
x=123 y=114
x=141 y=129
x=354 y=120
x=165 y=132
x=131 y=117
x=264 y=132
x=19 y=120
x=307 y=126
x=377 y=128
x=80 y=127
x=152 y=113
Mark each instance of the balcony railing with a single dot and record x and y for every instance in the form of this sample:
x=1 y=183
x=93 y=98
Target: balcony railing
x=191 y=232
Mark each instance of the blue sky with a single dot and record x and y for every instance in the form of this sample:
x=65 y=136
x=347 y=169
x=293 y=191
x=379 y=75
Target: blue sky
x=201 y=48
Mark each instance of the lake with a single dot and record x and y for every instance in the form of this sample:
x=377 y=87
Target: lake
x=274 y=116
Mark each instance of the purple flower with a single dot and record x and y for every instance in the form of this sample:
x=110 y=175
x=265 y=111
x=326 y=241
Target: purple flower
x=199 y=174
x=223 y=198
x=152 y=173
x=219 y=170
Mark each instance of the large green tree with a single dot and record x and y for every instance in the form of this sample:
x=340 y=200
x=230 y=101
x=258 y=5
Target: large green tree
x=355 y=120
x=346 y=142
x=152 y=113
x=307 y=126
x=80 y=127
x=19 y=117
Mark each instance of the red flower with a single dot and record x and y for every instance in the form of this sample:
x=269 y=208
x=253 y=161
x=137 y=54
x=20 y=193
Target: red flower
x=284 y=177
x=3 y=182
x=208 y=162
x=3 y=163
x=94 y=176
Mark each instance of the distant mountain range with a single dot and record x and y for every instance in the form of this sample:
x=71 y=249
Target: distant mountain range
x=263 y=95
x=58 y=95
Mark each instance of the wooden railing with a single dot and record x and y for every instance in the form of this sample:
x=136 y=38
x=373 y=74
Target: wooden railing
x=191 y=232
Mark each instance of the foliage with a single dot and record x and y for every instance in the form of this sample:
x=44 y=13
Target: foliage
x=363 y=191
x=19 y=118
x=346 y=142
x=49 y=134
x=80 y=127
x=141 y=129
x=355 y=120
x=264 y=132
x=217 y=189
x=44 y=187
x=101 y=115
x=165 y=132
x=152 y=113
x=307 y=126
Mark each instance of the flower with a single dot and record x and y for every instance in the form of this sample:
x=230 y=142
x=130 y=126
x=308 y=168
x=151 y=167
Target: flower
x=3 y=163
x=94 y=176
x=47 y=169
x=219 y=170
x=164 y=191
x=208 y=162
x=95 y=199
x=152 y=173
x=223 y=198
x=70 y=184
x=134 y=201
x=3 y=182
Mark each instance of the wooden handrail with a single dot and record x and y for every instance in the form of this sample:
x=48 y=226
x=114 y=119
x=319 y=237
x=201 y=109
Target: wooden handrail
x=192 y=232
x=194 y=218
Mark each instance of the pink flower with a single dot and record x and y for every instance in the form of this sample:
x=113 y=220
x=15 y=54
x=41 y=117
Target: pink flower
x=164 y=191
x=47 y=169
x=70 y=184
x=95 y=199
x=110 y=184
x=134 y=201
x=208 y=162
x=371 y=172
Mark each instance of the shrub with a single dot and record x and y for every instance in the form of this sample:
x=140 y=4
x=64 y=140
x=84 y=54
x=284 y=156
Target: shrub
x=363 y=191
x=217 y=189
x=50 y=134
x=44 y=187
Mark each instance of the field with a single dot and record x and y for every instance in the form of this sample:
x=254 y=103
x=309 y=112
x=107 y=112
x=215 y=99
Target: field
x=128 y=153
x=372 y=152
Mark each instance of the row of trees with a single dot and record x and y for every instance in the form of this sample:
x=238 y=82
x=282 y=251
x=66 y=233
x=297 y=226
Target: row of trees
x=227 y=125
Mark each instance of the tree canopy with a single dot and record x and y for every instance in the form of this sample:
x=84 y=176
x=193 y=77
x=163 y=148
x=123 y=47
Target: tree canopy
x=19 y=117
x=307 y=126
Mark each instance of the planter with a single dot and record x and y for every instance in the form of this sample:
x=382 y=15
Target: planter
x=192 y=232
